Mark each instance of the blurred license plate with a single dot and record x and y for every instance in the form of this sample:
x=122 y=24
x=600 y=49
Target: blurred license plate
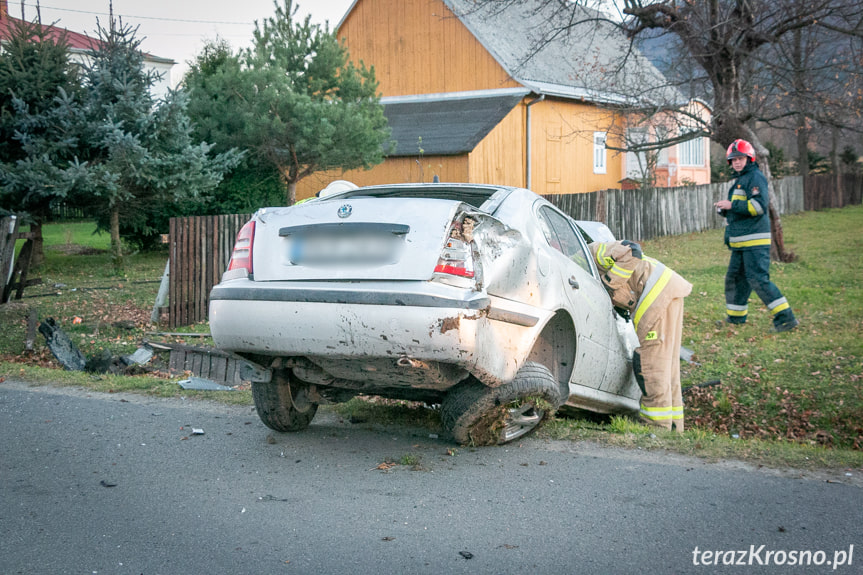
x=344 y=249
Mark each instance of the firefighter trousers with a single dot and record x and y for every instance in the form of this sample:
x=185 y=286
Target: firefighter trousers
x=750 y=270
x=662 y=399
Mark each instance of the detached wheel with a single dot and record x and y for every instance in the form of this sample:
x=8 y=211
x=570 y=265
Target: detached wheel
x=283 y=404
x=480 y=415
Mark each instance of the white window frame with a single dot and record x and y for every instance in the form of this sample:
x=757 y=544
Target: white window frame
x=691 y=152
x=600 y=159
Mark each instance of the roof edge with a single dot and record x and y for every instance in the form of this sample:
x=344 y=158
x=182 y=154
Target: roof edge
x=478 y=37
x=453 y=96
x=344 y=16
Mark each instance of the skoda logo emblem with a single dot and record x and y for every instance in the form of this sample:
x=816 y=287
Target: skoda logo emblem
x=345 y=211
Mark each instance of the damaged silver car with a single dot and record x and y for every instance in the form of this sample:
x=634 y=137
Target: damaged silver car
x=483 y=299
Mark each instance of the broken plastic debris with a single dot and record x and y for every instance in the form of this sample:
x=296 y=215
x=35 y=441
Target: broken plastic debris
x=201 y=384
x=77 y=319
x=66 y=352
x=686 y=355
x=141 y=356
x=196 y=431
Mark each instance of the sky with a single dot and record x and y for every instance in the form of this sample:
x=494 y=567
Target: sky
x=176 y=29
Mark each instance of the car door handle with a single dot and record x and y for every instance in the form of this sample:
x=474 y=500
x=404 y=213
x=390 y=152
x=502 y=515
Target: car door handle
x=573 y=282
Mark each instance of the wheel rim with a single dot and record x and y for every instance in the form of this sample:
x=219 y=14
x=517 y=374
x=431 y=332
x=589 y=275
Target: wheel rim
x=521 y=420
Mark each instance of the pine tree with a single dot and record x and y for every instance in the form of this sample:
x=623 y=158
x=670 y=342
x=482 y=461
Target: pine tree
x=294 y=100
x=39 y=88
x=141 y=161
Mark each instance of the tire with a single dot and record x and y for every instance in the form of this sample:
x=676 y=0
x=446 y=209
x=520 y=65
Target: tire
x=283 y=404
x=480 y=415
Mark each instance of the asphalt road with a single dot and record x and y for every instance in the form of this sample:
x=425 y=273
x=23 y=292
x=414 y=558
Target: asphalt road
x=104 y=483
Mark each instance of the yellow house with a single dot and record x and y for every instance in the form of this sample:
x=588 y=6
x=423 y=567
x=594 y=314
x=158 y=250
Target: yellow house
x=469 y=98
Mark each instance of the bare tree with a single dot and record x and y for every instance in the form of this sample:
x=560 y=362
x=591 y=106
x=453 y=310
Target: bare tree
x=724 y=37
x=724 y=40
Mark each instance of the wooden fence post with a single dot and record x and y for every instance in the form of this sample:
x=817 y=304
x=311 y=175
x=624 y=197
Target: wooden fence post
x=8 y=235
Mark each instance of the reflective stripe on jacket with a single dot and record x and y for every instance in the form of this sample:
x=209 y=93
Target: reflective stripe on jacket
x=748 y=219
x=644 y=286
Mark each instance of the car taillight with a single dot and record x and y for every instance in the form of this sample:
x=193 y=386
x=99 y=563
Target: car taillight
x=456 y=258
x=241 y=256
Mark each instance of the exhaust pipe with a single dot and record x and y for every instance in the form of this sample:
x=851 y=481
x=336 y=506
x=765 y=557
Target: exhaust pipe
x=405 y=361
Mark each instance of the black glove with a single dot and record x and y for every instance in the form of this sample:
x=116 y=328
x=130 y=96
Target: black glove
x=622 y=312
x=636 y=249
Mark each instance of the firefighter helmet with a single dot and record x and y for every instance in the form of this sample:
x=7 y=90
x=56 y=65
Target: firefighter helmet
x=739 y=149
x=336 y=187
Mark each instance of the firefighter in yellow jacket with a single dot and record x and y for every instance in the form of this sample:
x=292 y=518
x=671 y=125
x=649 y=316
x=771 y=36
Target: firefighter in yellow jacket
x=651 y=294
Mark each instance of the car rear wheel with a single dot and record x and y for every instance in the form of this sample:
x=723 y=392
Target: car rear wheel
x=283 y=404
x=480 y=415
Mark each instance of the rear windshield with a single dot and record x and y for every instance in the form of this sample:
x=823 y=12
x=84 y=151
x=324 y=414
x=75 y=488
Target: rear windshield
x=476 y=197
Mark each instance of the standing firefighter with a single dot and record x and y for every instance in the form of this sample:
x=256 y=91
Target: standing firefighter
x=652 y=295
x=747 y=235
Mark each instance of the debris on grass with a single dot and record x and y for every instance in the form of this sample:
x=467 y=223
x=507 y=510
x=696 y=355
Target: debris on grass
x=66 y=352
x=201 y=384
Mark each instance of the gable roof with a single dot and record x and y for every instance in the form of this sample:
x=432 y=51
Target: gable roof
x=78 y=43
x=592 y=60
x=446 y=124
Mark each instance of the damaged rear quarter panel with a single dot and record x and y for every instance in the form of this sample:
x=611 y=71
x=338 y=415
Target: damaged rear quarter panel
x=508 y=262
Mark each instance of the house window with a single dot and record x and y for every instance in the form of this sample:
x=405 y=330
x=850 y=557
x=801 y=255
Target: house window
x=599 y=153
x=691 y=152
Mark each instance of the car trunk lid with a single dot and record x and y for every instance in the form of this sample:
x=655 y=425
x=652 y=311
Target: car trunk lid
x=353 y=239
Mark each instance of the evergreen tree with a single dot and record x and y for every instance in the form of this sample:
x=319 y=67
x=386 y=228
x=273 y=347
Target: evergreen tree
x=141 y=162
x=39 y=88
x=294 y=100
x=217 y=90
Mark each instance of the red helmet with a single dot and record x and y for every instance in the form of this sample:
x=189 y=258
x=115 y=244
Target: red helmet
x=740 y=149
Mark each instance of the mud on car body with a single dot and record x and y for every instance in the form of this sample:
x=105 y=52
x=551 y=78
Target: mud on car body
x=481 y=298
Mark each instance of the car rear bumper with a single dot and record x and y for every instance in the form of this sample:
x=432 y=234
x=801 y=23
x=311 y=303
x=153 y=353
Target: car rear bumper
x=422 y=321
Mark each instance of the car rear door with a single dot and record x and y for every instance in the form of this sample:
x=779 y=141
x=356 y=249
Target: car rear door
x=589 y=305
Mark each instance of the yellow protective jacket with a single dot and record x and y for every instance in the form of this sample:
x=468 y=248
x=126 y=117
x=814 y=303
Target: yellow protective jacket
x=643 y=286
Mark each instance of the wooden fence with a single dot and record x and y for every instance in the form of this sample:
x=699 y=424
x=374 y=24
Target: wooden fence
x=8 y=236
x=829 y=191
x=200 y=251
x=13 y=271
x=645 y=214
x=201 y=246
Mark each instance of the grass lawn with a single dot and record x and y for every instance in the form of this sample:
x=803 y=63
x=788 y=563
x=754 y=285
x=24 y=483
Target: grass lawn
x=792 y=398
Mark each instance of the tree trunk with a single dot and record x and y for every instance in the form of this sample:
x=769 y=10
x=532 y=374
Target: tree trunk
x=777 y=245
x=803 y=150
x=290 y=183
x=836 y=201
x=116 y=246
x=802 y=122
x=292 y=193
x=37 y=256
